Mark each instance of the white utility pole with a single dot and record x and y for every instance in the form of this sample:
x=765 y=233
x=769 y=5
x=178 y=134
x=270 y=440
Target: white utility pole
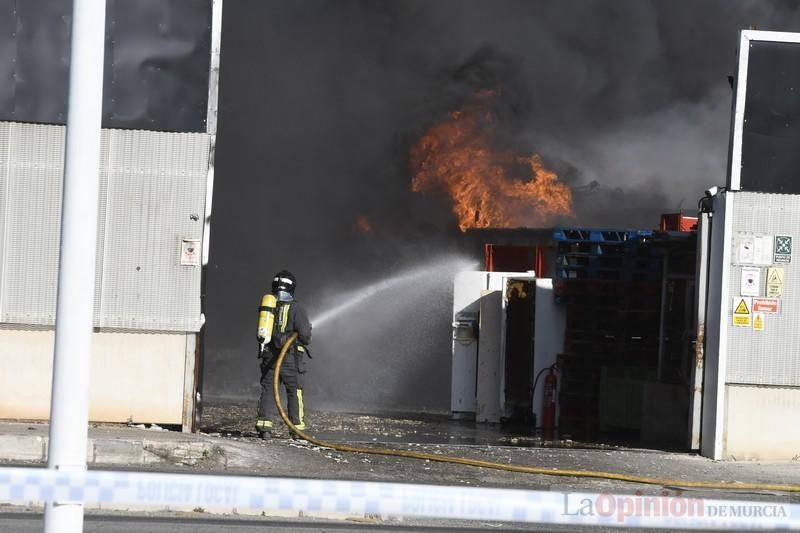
x=69 y=403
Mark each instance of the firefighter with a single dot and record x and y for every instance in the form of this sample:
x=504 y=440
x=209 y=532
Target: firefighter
x=279 y=317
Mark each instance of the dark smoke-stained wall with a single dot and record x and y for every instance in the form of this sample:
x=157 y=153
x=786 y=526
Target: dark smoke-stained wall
x=157 y=60
x=628 y=100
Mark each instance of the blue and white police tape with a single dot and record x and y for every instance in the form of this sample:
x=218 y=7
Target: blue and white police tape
x=257 y=494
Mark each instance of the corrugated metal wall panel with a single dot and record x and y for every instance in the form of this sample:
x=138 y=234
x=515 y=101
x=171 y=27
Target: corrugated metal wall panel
x=772 y=356
x=152 y=195
x=101 y=223
x=32 y=220
x=155 y=198
x=4 y=134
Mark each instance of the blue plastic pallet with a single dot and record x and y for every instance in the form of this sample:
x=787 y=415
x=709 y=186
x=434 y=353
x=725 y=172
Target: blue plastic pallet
x=628 y=261
x=569 y=273
x=596 y=247
x=599 y=235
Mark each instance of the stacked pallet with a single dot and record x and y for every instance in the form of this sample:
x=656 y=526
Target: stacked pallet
x=607 y=255
x=609 y=282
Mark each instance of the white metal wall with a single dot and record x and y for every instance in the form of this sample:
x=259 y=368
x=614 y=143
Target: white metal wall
x=155 y=195
x=31 y=167
x=771 y=356
x=751 y=392
x=152 y=198
x=715 y=353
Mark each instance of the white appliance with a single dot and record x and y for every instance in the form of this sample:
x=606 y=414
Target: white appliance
x=478 y=354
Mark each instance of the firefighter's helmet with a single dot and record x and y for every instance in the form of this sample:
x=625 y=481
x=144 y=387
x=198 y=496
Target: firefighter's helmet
x=284 y=281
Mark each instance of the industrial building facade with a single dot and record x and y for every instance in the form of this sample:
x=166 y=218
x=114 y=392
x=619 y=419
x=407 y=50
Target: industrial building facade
x=685 y=338
x=156 y=175
x=751 y=407
x=751 y=403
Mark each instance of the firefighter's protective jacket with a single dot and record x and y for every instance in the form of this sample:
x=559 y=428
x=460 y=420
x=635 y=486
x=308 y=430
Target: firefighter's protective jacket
x=291 y=317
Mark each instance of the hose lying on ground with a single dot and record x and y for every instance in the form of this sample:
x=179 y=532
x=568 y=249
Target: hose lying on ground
x=680 y=483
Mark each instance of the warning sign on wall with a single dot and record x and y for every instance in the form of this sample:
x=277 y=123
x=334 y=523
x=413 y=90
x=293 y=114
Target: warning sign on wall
x=751 y=284
x=765 y=305
x=754 y=249
x=758 y=321
x=762 y=249
x=775 y=282
x=190 y=252
x=746 y=246
x=741 y=311
x=783 y=248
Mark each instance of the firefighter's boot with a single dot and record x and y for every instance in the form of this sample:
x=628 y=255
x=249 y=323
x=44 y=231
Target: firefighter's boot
x=264 y=428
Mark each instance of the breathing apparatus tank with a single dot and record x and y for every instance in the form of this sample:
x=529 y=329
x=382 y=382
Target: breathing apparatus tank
x=266 y=319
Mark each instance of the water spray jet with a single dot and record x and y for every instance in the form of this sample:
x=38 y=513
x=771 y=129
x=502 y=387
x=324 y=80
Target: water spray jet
x=355 y=297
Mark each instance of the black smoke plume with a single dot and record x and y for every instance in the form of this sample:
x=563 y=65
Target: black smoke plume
x=628 y=100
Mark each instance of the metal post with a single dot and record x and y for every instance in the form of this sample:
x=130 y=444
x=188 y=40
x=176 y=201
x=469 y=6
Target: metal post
x=701 y=291
x=69 y=403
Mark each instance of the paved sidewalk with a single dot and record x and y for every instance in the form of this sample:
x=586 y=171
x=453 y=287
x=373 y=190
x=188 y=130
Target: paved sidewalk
x=236 y=451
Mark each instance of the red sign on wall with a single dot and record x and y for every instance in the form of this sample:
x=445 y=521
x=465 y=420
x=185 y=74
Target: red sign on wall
x=765 y=305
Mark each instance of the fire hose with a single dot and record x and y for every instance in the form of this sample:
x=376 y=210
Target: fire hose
x=678 y=483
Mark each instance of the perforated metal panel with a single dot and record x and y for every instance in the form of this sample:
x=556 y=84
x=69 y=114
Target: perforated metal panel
x=152 y=196
x=101 y=224
x=31 y=220
x=771 y=356
x=4 y=133
x=155 y=198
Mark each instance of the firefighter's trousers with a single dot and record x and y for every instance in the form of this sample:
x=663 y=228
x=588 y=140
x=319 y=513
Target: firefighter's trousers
x=292 y=376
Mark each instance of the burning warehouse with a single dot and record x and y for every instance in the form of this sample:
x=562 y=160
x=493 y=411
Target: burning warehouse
x=621 y=331
x=378 y=159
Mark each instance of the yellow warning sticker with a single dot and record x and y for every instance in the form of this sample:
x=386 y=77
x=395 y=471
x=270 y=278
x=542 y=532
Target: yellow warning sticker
x=741 y=306
x=758 y=321
x=741 y=320
x=775 y=282
x=741 y=311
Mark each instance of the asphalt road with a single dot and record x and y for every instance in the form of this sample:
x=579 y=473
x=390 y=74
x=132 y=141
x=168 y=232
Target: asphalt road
x=32 y=522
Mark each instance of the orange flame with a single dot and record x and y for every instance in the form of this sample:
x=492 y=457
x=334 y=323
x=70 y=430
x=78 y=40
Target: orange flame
x=362 y=225
x=491 y=187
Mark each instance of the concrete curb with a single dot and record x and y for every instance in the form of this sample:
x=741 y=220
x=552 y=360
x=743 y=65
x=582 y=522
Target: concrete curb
x=127 y=451
x=114 y=450
x=160 y=449
x=23 y=447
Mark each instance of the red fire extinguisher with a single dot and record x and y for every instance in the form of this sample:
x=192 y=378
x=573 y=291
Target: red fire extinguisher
x=549 y=404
